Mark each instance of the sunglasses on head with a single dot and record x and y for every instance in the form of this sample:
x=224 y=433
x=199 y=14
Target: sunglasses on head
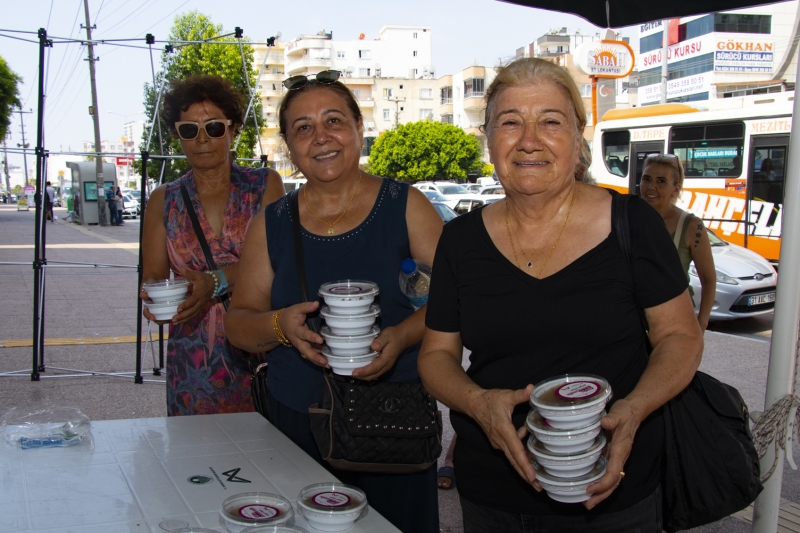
x=326 y=76
x=215 y=128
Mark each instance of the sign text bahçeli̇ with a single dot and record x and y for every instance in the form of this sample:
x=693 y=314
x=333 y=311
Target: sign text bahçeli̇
x=605 y=59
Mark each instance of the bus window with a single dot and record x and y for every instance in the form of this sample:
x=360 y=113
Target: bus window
x=616 y=146
x=709 y=150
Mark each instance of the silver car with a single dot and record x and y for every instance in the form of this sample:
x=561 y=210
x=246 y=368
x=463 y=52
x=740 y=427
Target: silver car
x=746 y=282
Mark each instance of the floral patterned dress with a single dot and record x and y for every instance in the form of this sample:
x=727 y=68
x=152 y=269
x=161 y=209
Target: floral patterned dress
x=205 y=374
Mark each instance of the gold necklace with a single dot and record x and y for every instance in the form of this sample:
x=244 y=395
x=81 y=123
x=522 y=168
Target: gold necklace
x=330 y=226
x=529 y=264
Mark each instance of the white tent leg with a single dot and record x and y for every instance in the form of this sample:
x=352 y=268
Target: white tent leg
x=783 y=351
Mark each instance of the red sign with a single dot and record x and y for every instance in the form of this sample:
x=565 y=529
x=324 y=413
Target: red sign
x=122 y=161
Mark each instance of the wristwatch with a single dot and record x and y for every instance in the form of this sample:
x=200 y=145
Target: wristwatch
x=223 y=283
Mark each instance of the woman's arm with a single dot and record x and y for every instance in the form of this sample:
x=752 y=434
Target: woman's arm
x=700 y=249
x=249 y=322
x=677 y=349
x=424 y=228
x=440 y=367
x=155 y=260
x=274 y=191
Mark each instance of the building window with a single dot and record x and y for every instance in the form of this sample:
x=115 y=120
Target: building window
x=357 y=93
x=414 y=35
x=650 y=43
x=740 y=23
x=446 y=97
x=340 y=55
x=415 y=53
x=425 y=114
x=678 y=69
x=416 y=72
x=473 y=88
x=586 y=90
x=447 y=119
x=387 y=114
x=426 y=94
x=401 y=86
x=388 y=92
x=364 y=54
x=364 y=72
x=589 y=118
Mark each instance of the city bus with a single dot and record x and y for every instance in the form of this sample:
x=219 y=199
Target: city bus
x=734 y=158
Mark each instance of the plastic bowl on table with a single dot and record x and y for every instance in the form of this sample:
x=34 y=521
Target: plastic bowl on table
x=163 y=310
x=345 y=364
x=562 y=440
x=275 y=529
x=192 y=529
x=350 y=324
x=349 y=344
x=567 y=465
x=570 y=490
x=571 y=401
x=349 y=296
x=249 y=509
x=165 y=290
x=332 y=506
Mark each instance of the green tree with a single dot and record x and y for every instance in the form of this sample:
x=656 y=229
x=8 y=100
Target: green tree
x=9 y=96
x=425 y=150
x=224 y=60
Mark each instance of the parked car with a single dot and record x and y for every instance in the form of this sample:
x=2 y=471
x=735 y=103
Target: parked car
x=131 y=206
x=445 y=211
x=496 y=190
x=468 y=204
x=292 y=184
x=746 y=282
x=434 y=196
x=473 y=187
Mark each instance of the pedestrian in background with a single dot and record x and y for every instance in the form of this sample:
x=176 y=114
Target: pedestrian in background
x=111 y=200
x=49 y=202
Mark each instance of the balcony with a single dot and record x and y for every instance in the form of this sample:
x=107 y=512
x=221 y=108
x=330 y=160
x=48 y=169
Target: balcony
x=366 y=102
x=300 y=47
x=473 y=101
x=269 y=92
x=300 y=66
x=446 y=109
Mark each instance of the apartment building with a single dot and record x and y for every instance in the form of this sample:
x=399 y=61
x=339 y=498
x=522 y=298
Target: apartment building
x=127 y=144
x=461 y=100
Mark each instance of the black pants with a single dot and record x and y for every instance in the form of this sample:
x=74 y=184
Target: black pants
x=644 y=517
x=409 y=501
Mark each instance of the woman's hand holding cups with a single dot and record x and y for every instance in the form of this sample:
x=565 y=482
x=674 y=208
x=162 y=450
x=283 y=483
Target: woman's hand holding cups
x=389 y=344
x=293 y=324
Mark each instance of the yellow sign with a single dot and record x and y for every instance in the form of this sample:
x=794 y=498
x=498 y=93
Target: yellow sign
x=22 y=204
x=605 y=59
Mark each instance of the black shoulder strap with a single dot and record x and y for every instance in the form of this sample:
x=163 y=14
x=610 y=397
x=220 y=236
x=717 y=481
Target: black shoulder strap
x=201 y=237
x=299 y=258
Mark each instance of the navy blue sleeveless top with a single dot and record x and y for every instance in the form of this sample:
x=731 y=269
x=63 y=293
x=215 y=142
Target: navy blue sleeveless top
x=372 y=251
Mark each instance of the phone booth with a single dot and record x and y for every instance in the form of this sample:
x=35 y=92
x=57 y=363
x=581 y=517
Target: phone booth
x=84 y=190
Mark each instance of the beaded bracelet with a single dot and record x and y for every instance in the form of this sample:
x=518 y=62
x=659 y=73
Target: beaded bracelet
x=216 y=282
x=276 y=325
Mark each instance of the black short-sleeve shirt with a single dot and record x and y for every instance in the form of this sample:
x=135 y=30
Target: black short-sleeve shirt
x=583 y=318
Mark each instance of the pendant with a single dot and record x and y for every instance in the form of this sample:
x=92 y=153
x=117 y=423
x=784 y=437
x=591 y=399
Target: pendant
x=331 y=232
x=530 y=264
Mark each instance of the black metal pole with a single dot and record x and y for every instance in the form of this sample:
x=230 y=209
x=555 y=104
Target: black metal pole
x=42 y=221
x=160 y=348
x=38 y=334
x=138 y=377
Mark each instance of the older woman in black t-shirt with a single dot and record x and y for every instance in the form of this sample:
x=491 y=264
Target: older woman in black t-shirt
x=537 y=286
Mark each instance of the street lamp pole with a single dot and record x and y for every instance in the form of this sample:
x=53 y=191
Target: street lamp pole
x=396 y=101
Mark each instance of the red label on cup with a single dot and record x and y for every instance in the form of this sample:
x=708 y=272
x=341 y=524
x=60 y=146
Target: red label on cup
x=578 y=390
x=258 y=512
x=331 y=499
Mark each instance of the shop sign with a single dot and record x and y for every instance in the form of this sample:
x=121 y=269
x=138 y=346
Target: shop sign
x=605 y=59
x=733 y=53
x=649 y=28
x=677 y=52
x=775 y=125
x=678 y=87
x=648 y=134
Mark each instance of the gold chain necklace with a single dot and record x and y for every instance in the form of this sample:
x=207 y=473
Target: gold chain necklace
x=529 y=264
x=330 y=226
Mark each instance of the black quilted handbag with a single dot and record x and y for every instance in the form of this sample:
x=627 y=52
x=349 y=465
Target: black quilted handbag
x=376 y=426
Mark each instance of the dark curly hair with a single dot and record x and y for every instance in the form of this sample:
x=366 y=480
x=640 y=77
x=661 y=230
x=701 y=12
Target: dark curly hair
x=198 y=88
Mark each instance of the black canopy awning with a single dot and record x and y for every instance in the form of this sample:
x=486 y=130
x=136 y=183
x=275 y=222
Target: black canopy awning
x=619 y=13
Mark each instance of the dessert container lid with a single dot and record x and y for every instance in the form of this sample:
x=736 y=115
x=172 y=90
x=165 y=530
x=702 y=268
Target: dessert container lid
x=536 y=422
x=256 y=508
x=574 y=483
x=166 y=284
x=325 y=331
x=283 y=528
x=536 y=447
x=159 y=305
x=332 y=498
x=570 y=391
x=348 y=289
x=369 y=356
x=374 y=311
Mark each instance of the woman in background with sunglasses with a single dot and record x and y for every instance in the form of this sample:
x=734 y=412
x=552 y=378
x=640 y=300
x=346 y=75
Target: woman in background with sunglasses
x=661 y=185
x=354 y=226
x=205 y=374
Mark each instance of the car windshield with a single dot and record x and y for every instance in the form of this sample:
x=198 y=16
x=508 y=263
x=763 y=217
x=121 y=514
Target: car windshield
x=136 y=194
x=434 y=196
x=453 y=189
x=445 y=212
x=715 y=241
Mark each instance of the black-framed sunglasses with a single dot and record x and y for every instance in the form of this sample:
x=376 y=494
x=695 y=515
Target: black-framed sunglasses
x=215 y=128
x=326 y=76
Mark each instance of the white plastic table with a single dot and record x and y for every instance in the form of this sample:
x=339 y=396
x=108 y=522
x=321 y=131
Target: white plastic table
x=140 y=472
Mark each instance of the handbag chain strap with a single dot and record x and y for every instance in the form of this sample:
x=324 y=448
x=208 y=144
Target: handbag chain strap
x=299 y=258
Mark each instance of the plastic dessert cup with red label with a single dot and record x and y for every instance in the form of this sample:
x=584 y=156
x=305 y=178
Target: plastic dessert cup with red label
x=567 y=465
x=570 y=490
x=164 y=310
x=571 y=401
x=349 y=344
x=349 y=296
x=165 y=290
x=345 y=364
x=249 y=509
x=350 y=324
x=562 y=440
x=274 y=529
x=332 y=506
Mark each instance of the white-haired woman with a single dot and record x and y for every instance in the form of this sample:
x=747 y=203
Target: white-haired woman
x=537 y=286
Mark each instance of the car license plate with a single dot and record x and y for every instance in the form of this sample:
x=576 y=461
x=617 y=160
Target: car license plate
x=761 y=299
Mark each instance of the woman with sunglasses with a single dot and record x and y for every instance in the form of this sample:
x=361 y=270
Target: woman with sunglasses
x=205 y=374
x=661 y=185
x=353 y=226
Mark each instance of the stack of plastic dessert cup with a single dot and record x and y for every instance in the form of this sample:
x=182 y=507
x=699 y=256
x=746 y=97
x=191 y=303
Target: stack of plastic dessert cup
x=566 y=439
x=250 y=509
x=332 y=506
x=350 y=324
x=165 y=297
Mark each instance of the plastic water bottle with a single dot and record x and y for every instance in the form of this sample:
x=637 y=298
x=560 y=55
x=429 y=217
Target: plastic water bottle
x=415 y=281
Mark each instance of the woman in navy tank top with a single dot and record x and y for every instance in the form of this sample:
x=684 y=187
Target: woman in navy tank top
x=354 y=226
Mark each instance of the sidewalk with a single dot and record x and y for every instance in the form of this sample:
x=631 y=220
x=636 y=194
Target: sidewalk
x=91 y=304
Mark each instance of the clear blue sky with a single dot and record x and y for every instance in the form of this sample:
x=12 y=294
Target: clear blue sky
x=464 y=33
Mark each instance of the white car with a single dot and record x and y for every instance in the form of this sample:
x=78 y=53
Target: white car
x=746 y=282
x=494 y=190
x=131 y=207
x=434 y=196
x=448 y=189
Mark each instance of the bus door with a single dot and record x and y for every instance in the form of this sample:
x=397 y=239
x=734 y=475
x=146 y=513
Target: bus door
x=766 y=180
x=639 y=152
